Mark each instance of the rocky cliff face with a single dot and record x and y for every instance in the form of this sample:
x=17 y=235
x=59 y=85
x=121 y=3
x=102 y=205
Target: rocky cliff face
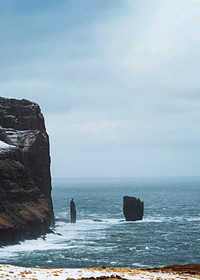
x=26 y=209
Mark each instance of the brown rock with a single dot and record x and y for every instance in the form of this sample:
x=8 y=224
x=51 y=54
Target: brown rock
x=26 y=209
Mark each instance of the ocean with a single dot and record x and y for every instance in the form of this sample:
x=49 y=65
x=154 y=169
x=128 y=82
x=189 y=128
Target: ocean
x=169 y=232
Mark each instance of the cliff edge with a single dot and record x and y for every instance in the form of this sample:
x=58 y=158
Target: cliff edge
x=26 y=210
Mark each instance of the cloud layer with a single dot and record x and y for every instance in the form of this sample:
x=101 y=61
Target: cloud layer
x=117 y=81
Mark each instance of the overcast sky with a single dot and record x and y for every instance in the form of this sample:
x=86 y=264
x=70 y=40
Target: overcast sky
x=117 y=81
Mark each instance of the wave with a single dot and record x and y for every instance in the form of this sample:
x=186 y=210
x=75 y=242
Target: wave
x=88 y=234
x=165 y=219
x=65 y=237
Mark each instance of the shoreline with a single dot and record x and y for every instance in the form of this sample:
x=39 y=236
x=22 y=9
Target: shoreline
x=178 y=272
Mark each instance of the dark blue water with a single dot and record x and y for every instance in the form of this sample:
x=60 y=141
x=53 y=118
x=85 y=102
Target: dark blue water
x=169 y=232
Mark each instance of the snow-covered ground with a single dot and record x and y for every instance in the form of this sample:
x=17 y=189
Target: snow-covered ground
x=14 y=272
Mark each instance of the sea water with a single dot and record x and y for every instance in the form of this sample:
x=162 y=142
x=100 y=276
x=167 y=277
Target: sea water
x=169 y=232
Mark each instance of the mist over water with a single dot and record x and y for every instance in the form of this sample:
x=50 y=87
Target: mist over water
x=169 y=232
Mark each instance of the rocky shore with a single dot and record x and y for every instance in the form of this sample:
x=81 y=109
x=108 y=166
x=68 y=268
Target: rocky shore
x=178 y=272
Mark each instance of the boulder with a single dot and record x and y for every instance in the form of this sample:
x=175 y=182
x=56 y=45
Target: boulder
x=26 y=209
x=133 y=208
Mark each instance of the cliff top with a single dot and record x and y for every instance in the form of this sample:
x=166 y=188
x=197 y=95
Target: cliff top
x=20 y=114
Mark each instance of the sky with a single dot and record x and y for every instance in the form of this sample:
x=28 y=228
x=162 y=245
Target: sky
x=117 y=81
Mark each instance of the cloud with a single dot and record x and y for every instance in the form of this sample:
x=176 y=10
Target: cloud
x=115 y=80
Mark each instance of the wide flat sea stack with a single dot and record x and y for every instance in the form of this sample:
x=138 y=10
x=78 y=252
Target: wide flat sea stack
x=26 y=209
x=133 y=208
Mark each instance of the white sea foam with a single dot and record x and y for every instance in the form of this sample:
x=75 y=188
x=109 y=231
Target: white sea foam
x=138 y=265
x=193 y=219
x=154 y=219
x=158 y=219
x=84 y=231
x=63 y=238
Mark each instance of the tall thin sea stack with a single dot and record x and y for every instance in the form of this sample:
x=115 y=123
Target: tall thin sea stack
x=26 y=209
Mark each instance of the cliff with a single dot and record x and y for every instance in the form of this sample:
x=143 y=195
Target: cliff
x=26 y=209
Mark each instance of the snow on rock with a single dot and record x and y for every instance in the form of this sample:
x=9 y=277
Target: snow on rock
x=21 y=139
x=4 y=146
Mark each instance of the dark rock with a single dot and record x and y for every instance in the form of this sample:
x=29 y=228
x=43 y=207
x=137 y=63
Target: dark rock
x=133 y=208
x=73 y=211
x=26 y=210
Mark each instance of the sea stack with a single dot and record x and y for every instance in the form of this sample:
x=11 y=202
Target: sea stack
x=133 y=208
x=26 y=209
x=72 y=211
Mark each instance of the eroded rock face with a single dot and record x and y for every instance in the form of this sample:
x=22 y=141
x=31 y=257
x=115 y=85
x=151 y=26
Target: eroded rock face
x=133 y=208
x=26 y=209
